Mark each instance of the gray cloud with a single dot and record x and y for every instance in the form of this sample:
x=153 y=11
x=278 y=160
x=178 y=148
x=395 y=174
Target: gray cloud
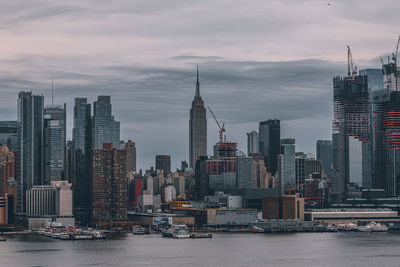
x=258 y=60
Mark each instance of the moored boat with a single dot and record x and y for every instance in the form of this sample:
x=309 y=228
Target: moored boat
x=138 y=230
x=180 y=231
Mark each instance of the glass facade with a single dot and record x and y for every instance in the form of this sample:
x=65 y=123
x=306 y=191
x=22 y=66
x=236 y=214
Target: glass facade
x=54 y=143
x=269 y=143
x=30 y=141
x=105 y=128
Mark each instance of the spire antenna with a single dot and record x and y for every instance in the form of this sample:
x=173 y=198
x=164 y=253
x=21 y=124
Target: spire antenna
x=52 y=89
x=197 y=83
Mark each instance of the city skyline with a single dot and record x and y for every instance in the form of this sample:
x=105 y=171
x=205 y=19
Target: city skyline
x=143 y=80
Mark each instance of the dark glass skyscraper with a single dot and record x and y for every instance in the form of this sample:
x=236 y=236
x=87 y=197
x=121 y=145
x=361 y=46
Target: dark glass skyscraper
x=197 y=127
x=351 y=136
x=163 y=162
x=30 y=117
x=270 y=146
x=105 y=128
x=81 y=161
x=324 y=153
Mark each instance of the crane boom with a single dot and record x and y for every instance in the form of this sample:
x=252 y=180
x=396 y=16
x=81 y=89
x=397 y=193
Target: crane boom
x=394 y=55
x=351 y=65
x=212 y=113
x=221 y=128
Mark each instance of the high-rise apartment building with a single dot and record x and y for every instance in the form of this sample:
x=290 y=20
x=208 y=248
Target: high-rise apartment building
x=104 y=128
x=81 y=160
x=109 y=184
x=163 y=162
x=54 y=143
x=252 y=143
x=197 y=127
x=30 y=158
x=351 y=136
x=269 y=143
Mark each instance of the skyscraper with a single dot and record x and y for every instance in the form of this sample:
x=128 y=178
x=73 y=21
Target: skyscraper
x=105 y=128
x=109 y=184
x=269 y=143
x=288 y=172
x=9 y=134
x=163 y=162
x=54 y=142
x=197 y=127
x=386 y=135
x=324 y=154
x=351 y=136
x=244 y=174
x=130 y=156
x=7 y=164
x=81 y=161
x=252 y=143
x=30 y=165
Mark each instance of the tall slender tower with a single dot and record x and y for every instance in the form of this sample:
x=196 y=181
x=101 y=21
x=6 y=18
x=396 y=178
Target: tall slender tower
x=81 y=161
x=197 y=127
x=30 y=142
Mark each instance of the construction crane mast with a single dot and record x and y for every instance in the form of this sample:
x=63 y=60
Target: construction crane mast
x=351 y=65
x=396 y=51
x=221 y=128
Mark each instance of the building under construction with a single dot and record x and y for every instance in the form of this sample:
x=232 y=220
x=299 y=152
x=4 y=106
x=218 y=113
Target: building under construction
x=387 y=129
x=221 y=170
x=351 y=132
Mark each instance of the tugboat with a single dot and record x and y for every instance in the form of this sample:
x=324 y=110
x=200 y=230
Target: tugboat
x=138 y=230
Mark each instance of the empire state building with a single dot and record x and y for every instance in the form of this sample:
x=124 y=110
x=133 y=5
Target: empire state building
x=197 y=127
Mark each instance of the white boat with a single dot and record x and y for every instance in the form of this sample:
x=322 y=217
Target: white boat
x=55 y=234
x=65 y=236
x=40 y=231
x=98 y=234
x=180 y=231
x=138 y=230
x=373 y=227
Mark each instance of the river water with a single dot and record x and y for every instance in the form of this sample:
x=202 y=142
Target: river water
x=224 y=249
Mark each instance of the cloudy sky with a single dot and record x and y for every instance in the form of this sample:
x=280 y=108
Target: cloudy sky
x=258 y=60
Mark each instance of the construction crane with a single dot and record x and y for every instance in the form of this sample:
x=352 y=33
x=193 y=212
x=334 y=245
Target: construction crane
x=351 y=65
x=396 y=51
x=221 y=128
